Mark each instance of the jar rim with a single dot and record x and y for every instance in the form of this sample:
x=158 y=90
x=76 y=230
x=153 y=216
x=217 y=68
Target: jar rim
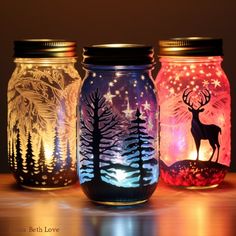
x=44 y=48
x=190 y=59
x=45 y=60
x=191 y=46
x=123 y=54
x=118 y=67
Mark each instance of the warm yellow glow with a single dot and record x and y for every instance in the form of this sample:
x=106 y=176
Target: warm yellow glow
x=193 y=155
x=118 y=74
x=201 y=221
x=41 y=222
x=48 y=153
x=120 y=175
x=204 y=152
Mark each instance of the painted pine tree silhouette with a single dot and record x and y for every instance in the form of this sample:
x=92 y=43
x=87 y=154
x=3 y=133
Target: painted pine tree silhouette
x=41 y=161
x=10 y=157
x=99 y=137
x=14 y=163
x=30 y=162
x=68 y=161
x=57 y=161
x=139 y=151
x=19 y=159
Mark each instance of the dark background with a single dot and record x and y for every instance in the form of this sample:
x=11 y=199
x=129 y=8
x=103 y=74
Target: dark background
x=103 y=21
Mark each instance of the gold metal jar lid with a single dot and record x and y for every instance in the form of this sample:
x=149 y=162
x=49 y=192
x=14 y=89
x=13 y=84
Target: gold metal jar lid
x=191 y=46
x=118 y=54
x=44 y=48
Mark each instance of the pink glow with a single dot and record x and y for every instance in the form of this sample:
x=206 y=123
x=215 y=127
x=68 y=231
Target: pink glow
x=196 y=75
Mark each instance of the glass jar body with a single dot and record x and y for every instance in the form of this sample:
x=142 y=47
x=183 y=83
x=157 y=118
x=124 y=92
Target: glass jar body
x=119 y=133
x=42 y=98
x=195 y=121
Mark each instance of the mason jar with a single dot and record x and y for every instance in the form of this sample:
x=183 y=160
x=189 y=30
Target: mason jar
x=118 y=132
x=42 y=98
x=195 y=112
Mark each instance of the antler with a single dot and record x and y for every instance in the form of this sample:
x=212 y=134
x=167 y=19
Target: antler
x=186 y=99
x=206 y=96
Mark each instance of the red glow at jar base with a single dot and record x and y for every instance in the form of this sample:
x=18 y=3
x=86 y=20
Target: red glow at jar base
x=189 y=173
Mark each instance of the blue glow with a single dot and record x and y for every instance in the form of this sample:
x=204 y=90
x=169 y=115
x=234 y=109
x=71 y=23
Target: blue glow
x=116 y=142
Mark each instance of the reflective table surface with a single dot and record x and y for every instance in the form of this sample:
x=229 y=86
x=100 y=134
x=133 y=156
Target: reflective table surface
x=170 y=211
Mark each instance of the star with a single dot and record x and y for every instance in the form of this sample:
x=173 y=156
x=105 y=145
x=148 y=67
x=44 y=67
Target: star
x=146 y=106
x=215 y=82
x=108 y=96
x=205 y=83
x=128 y=111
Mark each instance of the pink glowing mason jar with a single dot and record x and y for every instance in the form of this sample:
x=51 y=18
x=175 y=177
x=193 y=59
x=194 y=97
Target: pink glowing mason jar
x=195 y=112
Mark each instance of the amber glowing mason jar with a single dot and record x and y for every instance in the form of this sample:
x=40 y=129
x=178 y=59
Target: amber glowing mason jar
x=42 y=98
x=118 y=130
x=195 y=112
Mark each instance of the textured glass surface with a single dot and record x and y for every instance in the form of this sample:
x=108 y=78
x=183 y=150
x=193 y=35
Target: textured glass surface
x=118 y=135
x=42 y=98
x=195 y=120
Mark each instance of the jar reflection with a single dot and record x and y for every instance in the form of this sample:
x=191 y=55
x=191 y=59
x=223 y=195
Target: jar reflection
x=120 y=225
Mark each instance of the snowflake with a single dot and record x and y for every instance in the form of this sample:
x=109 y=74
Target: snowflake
x=205 y=83
x=215 y=82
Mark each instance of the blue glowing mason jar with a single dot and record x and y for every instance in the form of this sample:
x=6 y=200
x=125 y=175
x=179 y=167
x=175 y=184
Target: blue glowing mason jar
x=118 y=138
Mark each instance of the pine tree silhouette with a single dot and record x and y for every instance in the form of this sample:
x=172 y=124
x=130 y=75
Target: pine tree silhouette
x=68 y=162
x=10 y=157
x=19 y=159
x=57 y=158
x=30 y=162
x=14 y=162
x=139 y=151
x=41 y=161
x=99 y=137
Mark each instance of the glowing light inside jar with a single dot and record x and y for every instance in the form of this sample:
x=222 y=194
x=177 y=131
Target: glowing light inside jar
x=48 y=153
x=204 y=152
x=42 y=121
x=195 y=118
x=120 y=175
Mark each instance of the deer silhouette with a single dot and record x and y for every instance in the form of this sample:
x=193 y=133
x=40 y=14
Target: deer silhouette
x=199 y=130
